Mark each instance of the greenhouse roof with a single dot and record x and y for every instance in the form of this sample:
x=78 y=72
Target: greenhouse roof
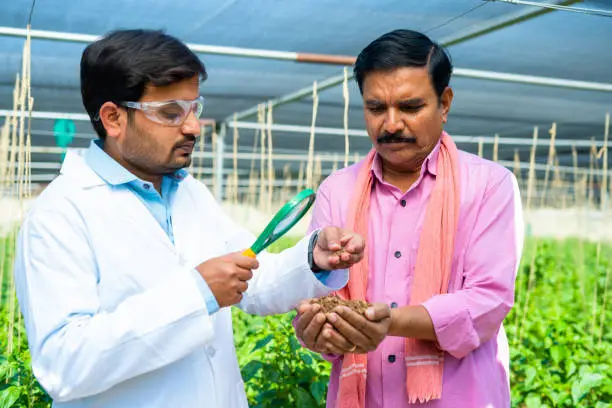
x=490 y=36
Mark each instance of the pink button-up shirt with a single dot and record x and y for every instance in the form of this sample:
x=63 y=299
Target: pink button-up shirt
x=467 y=320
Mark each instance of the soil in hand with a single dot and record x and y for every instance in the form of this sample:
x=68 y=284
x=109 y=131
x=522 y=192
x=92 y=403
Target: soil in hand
x=328 y=303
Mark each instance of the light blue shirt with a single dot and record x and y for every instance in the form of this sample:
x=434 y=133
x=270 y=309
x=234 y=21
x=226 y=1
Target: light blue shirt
x=158 y=204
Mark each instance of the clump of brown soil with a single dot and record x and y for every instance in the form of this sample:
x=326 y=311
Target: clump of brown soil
x=328 y=303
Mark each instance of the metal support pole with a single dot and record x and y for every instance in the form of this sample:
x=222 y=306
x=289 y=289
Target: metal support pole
x=197 y=48
x=532 y=80
x=582 y=10
x=219 y=155
x=514 y=141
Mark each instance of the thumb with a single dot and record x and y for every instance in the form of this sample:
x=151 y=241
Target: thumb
x=377 y=312
x=329 y=239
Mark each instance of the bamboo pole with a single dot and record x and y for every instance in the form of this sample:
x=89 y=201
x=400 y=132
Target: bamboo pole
x=301 y=176
x=558 y=183
x=495 y=148
x=531 y=176
x=201 y=147
x=234 y=196
x=270 y=162
x=345 y=95
x=517 y=169
x=262 y=160
x=309 y=167
x=5 y=133
x=534 y=241
x=317 y=173
x=549 y=162
x=577 y=184
x=591 y=182
x=604 y=181
x=215 y=165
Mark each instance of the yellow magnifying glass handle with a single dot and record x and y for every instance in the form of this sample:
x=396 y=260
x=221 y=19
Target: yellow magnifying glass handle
x=249 y=252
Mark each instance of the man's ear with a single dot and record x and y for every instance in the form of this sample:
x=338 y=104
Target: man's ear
x=113 y=118
x=446 y=100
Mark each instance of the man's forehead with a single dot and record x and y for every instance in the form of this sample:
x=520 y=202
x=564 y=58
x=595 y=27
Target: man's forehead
x=187 y=89
x=400 y=88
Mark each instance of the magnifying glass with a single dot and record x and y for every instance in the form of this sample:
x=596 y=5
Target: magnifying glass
x=283 y=221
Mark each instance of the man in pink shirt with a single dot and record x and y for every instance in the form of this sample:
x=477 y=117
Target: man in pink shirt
x=444 y=239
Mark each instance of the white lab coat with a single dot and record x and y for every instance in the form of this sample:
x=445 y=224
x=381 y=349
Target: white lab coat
x=113 y=314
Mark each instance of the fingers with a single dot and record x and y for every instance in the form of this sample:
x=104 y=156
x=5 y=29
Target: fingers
x=331 y=341
x=241 y=287
x=305 y=305
x=243 y=274
x=375 y=331
x=351 y=332
x=306 y=313
x=329 y=239
x=312 y=329
x=244 y=261
x=352 y=243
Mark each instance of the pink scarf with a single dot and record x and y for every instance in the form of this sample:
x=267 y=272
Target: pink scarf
x=424 y=361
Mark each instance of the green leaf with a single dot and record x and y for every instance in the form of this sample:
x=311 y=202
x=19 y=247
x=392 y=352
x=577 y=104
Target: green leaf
x=556 y=353
x=533 y=401
x=266 y=396
x=571 y=369
x=306 y=358
x=584 y=384
x=9 y=396
x=317 y=389
x=249 y=370
x=261 y=343
x=556 y=397
x=294 y=343
x=530 y=374
x=304 y=399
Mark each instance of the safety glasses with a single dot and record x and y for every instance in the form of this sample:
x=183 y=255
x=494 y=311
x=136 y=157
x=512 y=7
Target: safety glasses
x=169 y=113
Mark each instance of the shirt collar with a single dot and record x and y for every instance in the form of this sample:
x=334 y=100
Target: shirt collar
x=111 y=171
x=430 y=163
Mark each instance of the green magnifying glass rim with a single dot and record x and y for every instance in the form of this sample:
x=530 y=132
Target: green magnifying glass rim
x=269 y=235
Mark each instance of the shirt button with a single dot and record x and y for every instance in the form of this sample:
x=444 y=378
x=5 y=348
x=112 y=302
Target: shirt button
x=398 y=254
x=391 y=358
x=403 y=203
x=146 y=186
x=393 y=305
x=211 y=351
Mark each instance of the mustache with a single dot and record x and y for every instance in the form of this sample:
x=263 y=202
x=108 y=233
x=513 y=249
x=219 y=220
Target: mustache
x=396 y=137
x=189 y=139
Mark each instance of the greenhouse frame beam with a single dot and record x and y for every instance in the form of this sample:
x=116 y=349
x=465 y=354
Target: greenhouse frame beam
x=488 y=140
x=197 y=48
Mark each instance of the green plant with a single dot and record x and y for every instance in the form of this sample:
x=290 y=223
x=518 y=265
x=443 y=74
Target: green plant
x=277 y=370
x=561 y=350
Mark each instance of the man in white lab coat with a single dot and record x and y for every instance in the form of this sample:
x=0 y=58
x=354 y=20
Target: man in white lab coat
x=126 y=265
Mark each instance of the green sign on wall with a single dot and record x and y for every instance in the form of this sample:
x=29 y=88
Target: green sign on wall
x=64 y=130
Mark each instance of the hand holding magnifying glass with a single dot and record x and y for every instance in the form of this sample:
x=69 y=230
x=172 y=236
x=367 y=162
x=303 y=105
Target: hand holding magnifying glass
x=336 y=248
x=227 y=276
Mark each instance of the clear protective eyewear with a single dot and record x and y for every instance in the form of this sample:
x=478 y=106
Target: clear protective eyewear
x=169 y=113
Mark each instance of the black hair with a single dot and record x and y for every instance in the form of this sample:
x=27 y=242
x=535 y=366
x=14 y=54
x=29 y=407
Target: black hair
x=405 y=48
x=118 y=67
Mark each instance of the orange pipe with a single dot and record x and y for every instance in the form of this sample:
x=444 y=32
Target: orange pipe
x=326 y=59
